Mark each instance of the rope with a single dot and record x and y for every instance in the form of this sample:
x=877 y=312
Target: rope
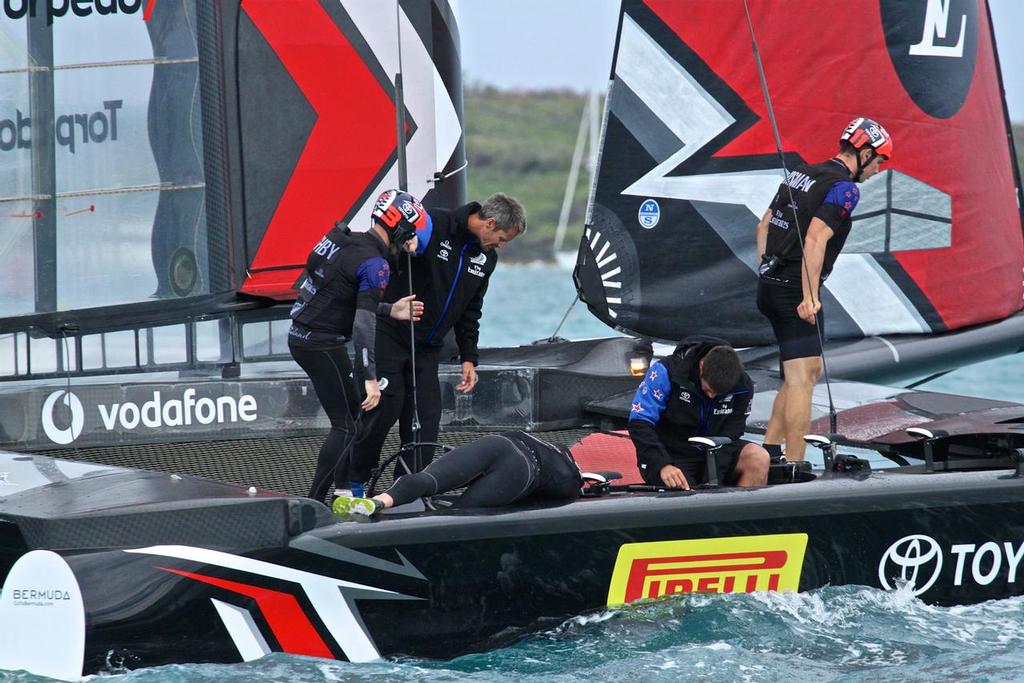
x=778 y=147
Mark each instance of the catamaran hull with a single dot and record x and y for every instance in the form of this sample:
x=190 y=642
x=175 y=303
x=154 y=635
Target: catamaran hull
x=443 y=584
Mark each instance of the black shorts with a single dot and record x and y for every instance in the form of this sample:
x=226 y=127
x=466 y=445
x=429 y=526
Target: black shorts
x=694 y=466
x=797 y=338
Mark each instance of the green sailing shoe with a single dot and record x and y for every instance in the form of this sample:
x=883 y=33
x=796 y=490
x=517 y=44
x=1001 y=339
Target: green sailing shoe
x=345 y=505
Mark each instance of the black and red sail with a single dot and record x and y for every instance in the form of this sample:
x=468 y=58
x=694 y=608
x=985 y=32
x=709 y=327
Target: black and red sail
x=157 y=162
x=318 y=120
x=689 y=164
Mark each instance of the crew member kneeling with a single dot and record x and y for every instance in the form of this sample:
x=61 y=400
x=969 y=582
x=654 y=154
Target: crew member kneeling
x=700 y=390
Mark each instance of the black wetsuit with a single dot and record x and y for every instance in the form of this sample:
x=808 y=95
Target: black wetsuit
x=500 y=469
x=346 y=274
x=450 y=278
x=824 y=191
x=669 y=407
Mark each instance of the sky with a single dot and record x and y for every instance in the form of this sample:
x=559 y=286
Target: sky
x=568 y=44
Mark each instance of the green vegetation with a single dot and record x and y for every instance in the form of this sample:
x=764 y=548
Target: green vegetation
x=522 y=143
x=1018 y=142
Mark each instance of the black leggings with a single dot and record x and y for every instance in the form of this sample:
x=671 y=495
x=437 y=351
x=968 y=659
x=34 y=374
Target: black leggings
x=394 y=371
x=499 y=471
x=330 y=371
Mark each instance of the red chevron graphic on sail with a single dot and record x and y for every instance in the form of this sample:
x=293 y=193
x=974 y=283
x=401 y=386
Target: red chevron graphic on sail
x=353 y=138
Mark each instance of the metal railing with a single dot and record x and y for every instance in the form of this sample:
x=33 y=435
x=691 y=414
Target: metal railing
x=215 y=344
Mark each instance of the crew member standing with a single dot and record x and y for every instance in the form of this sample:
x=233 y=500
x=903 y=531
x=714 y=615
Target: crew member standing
x=450 y=278
x=339 y=300
x=798 y=245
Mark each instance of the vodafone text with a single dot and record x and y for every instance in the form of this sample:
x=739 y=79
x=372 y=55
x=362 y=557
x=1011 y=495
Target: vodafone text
x=157 y=412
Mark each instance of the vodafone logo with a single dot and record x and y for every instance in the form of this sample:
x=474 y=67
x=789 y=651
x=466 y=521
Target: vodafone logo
x=158 y=412
x=63 y=435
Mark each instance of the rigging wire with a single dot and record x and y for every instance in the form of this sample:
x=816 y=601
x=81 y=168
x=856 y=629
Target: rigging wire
x=832 y=418
x=554 y=335
x=65 y=360
x=403 y=185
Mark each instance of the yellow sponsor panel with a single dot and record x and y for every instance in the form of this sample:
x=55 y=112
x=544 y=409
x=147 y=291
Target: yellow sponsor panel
x=738 y=564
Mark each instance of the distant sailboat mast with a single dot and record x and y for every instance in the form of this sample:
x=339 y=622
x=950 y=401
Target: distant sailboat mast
x=586 y=139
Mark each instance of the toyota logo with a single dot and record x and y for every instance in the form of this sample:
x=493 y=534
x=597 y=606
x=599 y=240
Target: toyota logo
x=915 y=560
x=58 y=435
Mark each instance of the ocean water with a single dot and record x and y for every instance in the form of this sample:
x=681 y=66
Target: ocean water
x=525 y=303
x=846 y=633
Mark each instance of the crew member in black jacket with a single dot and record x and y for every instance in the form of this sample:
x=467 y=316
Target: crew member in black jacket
x=700 y=390
x=339 y=300
x=450 y=277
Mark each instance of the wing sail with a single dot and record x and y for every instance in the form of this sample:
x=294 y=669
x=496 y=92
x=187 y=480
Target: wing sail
x=688 y=165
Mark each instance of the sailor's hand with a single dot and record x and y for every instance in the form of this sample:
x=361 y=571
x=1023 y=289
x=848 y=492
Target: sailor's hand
x=807 y=309
x=400 y=310
x=674 y=478
x=372 y=394
x=468 y=378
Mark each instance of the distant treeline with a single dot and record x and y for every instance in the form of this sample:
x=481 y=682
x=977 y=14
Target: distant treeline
x=1018 y=141
x=522 y=143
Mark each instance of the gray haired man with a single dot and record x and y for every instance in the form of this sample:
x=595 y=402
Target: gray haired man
x=450 y=277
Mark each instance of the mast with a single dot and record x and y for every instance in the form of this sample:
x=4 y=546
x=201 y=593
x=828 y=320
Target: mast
x=586 y=139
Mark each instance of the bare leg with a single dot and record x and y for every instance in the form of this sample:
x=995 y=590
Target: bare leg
x=752 y=466
x=801 y=375
x=775 y=433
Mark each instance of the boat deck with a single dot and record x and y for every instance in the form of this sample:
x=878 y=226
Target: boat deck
x=277 y=464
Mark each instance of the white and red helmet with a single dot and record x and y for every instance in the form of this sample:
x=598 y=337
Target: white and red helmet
x=863 y=132
x=400 y=214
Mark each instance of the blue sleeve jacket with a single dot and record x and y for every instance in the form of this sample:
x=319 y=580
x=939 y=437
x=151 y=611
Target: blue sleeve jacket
x=340 y=295
x=669 y=407
x=824 y=191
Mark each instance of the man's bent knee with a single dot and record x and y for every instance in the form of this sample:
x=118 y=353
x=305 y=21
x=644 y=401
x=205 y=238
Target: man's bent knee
x=752 y=466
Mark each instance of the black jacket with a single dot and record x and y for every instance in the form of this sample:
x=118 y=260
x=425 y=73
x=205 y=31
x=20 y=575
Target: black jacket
x=450 y=278
x=557 y=475
x=669 y=407
x=824 y=191
x=339 y=299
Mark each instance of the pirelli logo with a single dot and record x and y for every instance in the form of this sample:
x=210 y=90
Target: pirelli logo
x=739 y=564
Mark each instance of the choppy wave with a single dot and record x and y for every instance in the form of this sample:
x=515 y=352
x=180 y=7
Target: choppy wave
x=834 y=634
x=842 y=634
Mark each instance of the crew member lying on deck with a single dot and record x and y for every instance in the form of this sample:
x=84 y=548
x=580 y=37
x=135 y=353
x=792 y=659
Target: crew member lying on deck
x=700 y=390
x=500 y=469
